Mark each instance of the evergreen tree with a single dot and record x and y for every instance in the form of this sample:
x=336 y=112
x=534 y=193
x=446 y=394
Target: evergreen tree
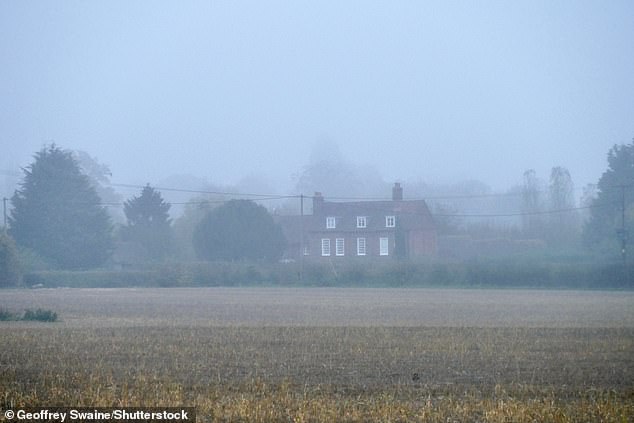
x=57 y=213
x=149 y=222
x=237 y=230
x=613 y=204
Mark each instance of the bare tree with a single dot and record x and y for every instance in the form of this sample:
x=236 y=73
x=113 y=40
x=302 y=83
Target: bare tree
x=531 y=204
x=563 y=219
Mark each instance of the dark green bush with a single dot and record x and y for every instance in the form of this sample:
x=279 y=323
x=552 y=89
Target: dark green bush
x=6 y=315
x=40 y=315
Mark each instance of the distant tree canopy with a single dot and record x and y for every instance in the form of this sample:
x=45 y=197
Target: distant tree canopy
x=148 y=222
x=616 y=185
x=239 y=229
x=329 y=172
x=57 y=213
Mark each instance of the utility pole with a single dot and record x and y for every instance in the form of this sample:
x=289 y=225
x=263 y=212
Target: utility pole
x=301 y=237
x=4 y=209
x=622 y=233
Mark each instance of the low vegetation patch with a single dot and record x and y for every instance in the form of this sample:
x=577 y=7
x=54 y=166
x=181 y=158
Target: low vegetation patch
x=492 y=274
x=38 y=315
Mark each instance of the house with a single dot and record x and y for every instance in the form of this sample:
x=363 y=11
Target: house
x=384 y=229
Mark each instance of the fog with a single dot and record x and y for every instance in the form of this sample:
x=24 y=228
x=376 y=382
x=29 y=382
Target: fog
x=250 y=94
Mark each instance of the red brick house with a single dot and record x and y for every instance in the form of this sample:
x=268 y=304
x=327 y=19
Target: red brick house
x=362 y=229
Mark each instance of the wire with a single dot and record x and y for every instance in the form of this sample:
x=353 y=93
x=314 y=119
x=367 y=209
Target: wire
x=266 y=197
x=336 y=198
x=540 y=212
x=192 y=191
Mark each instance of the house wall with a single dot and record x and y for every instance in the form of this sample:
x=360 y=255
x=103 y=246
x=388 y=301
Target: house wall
x=422 y=243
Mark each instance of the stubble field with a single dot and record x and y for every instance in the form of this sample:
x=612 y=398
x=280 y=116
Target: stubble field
x=327 y=354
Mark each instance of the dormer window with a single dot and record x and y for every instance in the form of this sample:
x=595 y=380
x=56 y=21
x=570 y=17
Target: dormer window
x=331 y=222
x=362 y=222
x=390 y=221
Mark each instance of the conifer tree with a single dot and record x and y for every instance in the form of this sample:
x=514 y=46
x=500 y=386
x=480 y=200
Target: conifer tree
x=58 y=214
x=149 y=223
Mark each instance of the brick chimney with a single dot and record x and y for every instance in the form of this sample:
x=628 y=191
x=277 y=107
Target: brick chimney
x=397 y=192
x=318 y=203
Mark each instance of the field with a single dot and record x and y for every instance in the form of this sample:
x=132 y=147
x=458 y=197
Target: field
x=248 y=354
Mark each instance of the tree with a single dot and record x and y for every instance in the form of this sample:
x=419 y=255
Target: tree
x=148 y=222
x=57 y=213
x=185 y=225
x=531 y=204
x=328 y=171
x=99 y=177
x=588 y=196
x=563 y=225
x=239 y=229
x=10 y=272
x=613 y=204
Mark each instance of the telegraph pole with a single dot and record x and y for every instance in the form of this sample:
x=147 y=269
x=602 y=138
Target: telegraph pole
x=622 y=233
x=301 y=237
x=4 y=210
x=624 y=238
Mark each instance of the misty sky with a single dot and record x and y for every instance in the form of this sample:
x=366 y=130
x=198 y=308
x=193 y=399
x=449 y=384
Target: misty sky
x=441 y=91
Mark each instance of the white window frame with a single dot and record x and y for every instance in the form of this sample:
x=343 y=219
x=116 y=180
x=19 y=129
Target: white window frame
x=325 y=247
x=390 y=221
x=340 y=249
x=361 y=246
x=331 y=222
x=362 y=221
x=384 y=246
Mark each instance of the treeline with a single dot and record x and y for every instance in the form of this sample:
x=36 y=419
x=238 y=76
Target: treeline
x=59 y=222
x=61 y=230
x=474 y=274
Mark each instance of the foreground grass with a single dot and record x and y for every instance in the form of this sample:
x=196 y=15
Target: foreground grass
x=264 y=374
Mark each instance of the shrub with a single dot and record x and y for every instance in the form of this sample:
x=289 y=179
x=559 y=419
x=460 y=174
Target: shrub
x=10 y=271
x=30 y=261
x=6 y=315
x=40 y=315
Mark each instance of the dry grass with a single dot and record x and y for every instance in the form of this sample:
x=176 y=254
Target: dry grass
x=269 y=372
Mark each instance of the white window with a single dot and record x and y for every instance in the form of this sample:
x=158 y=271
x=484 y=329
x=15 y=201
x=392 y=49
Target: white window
x=339 y=246
x=390 y=221
x=325 y=247
x=362 y=222
x=331 y=222
x=306 y=251
x=361 y=246
x=384 y=246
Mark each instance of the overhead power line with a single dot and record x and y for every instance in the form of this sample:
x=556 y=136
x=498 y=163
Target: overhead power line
x=225 y=193
x=270 y=196
x=533 y=213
